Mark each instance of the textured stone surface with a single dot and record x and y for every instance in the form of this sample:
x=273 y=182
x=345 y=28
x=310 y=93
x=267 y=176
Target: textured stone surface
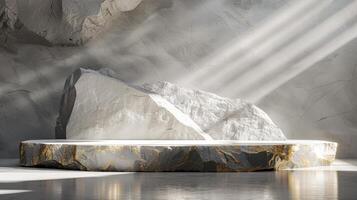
x=13 y=29
x=106 y=108
x=87 y=19
x=64 y=22
x=97 y=105
x=215 y=156
x=36 y=22
x=222 y=118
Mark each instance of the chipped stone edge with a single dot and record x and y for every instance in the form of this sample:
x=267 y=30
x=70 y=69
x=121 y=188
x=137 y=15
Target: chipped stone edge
x=170 y=158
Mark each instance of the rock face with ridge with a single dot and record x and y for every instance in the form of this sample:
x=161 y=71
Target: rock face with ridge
x=86 y=20
x=97 y=105
x=222 y=118
x=63 y=22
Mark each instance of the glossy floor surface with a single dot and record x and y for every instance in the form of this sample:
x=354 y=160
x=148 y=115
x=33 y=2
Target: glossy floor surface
x=334 y=182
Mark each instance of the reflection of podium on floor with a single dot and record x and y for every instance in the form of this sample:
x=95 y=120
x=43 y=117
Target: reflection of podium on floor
x=313 y=184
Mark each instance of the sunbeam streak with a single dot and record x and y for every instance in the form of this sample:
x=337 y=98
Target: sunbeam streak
x=267 y=48
x=286 y=55
x=304 y=64
x=239 y=46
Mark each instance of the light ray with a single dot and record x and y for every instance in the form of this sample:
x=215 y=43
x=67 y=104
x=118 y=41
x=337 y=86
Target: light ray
x=266 y=48
x=240 y=45
x=304 y=64
x=283 y=57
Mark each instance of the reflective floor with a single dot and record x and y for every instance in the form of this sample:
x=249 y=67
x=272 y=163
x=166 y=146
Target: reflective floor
x=336 y=182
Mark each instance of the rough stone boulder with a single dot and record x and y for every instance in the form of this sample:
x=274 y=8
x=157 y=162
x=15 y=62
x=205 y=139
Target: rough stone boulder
x=222 y=118
x=97 y=105
x=86 y=19
x=63 y=22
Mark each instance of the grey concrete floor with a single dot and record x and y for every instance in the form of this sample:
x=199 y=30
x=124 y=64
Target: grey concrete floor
x=338 y=181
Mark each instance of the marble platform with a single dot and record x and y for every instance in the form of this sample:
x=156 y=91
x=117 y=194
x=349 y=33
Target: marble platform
x=176 y=155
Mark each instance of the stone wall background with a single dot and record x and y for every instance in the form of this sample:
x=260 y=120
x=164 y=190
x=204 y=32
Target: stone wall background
x=180 y=41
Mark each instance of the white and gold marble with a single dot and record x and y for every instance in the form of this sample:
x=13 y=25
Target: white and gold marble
x=173 y=155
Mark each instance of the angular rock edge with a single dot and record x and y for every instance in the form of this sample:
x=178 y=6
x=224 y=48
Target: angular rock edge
x=171 y=158
x=97 y=106
x=220 y=117
x=59 y=22
x=66 y=104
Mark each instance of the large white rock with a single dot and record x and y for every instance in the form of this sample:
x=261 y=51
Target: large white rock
x=222 y=118
x=97 y=105
x=106 y=108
